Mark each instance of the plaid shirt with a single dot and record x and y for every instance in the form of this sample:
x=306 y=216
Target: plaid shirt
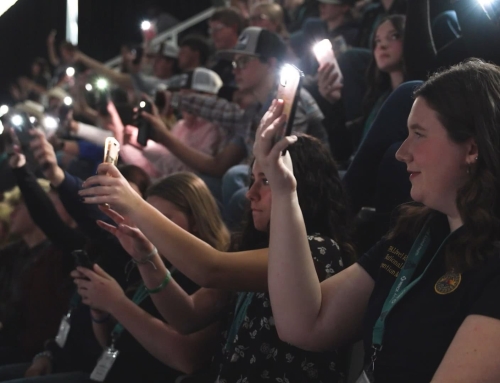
x=238 y=125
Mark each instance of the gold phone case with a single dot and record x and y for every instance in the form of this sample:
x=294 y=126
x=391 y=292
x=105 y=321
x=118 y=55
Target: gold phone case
x=111 y=151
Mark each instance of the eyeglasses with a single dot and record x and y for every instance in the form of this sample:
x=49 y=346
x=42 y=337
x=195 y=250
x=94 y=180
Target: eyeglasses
x=242 y=62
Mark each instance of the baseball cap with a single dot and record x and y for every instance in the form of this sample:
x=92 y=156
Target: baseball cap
x=200 y=80
x=31 y=108
x=57 y=92
x=336 y=2
x=258 y=42
x=166 y=50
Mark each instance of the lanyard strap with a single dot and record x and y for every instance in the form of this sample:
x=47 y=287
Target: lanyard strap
x=140 y=294
x=73 y=303
x=244 y=300
x=402 y=284
x=75 y=300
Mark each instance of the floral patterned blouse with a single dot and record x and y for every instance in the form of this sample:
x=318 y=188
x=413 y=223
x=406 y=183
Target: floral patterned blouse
x=258 y=355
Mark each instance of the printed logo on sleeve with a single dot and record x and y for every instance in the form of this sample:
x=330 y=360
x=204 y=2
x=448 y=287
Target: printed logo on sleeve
x=393 y=261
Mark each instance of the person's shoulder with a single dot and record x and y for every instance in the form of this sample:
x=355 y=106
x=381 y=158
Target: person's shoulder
x=308 y=106
x=326 y=255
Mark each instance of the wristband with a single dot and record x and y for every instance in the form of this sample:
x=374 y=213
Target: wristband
x=100 y=321
x=162 y=285
x=44 y=354
x=147 y=258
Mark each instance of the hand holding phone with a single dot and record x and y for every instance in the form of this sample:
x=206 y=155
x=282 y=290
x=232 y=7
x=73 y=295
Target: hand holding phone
x=111 y=151
x=144 y=127
x=16 y=131
x=289 y=91
x=81 y=259
x=324 y=54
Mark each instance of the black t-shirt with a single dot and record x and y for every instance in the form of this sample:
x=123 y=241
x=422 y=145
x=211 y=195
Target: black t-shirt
x=420 y=328
x=258 y=355
x=135 y=363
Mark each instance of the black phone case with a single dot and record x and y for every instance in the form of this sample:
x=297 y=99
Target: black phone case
x=291 y=119
x=82 y=259
x=143 y=126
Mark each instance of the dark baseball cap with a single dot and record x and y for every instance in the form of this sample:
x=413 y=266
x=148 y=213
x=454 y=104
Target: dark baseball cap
x=257 y=42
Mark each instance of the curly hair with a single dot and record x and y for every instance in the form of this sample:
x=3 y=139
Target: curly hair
x=466 y=98
x=322 y=198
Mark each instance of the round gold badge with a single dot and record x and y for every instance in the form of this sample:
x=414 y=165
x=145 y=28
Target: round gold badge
x=448 y=283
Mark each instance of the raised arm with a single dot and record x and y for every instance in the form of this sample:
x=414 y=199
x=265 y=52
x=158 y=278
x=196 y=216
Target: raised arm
x=228 y=115
x=42 y=210
x=51 y=49
x=67 y=186
x=121 y=79
x=309 y=314
x=192 y=312
x=202 y=162
x=244 y=271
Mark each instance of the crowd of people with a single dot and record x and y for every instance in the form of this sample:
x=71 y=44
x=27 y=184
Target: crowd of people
x=217 y=250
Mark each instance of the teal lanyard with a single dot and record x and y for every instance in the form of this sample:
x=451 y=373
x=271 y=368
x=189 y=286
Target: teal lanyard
x=402 y=284
x=244 y=300
x=75 y=300
x=73 y=304
x=140 y=294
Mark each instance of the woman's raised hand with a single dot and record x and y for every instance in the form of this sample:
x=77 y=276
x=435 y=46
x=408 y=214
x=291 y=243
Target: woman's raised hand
x=131 y=238
x=110 y=187
x=276 y=165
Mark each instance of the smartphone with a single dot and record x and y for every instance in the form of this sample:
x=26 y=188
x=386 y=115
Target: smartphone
x=102 y=100
x=18 y=125
x=126 y=113
x=325 y=54
x=289 y=90
x=64 y=111
x=160 y=99
x=82 y=259
x=144 y=127
x=6 y=140
x=111 y=151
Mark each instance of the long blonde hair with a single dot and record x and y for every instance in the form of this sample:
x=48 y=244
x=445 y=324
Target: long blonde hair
x=189 y=193
x=275 y=14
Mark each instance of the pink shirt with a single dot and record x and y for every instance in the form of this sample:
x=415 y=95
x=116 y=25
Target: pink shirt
x=201 y=135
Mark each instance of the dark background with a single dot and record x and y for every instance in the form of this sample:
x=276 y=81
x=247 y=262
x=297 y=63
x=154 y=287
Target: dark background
x=103 y=26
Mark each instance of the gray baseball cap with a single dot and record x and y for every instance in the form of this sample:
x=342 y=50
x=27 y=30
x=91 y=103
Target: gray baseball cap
x=165 y=50
x=258 y=42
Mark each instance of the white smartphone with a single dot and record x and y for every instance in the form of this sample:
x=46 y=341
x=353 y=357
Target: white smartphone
x=324 y=54
x=289 y=91
x=111 y=151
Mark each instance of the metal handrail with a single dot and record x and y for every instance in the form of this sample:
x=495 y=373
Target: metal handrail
x=171 y=33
